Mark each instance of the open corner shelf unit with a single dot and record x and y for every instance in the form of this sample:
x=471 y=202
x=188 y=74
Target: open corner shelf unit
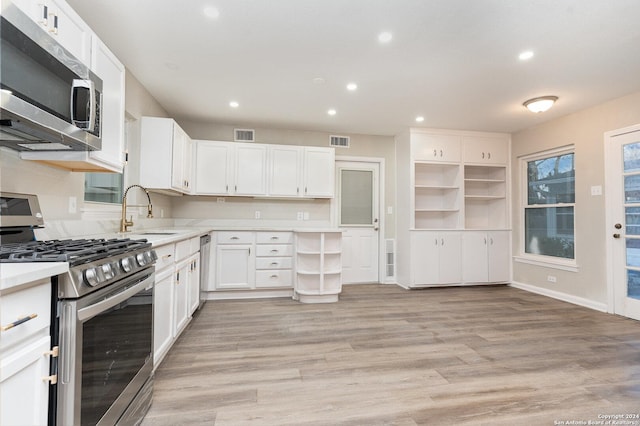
x=318 y=266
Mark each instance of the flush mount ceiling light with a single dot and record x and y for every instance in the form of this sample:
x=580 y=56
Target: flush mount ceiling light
x=234 y=104
x=540 y=104
x=332 y=112
x=211 y=12
x=419 y=119
x=352 y=87
x=524 y=56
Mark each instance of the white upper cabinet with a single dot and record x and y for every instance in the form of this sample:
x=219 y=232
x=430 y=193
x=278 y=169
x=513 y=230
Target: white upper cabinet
x=485 y=149
x=62 y=23
x=253 y=169
x=319 y=172
x=435 y=147
x=285 y=170
x=214 y=167
x=165 y=156
x=250 y=169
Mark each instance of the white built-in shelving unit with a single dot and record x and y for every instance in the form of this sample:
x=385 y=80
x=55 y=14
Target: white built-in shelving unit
x=453 y=207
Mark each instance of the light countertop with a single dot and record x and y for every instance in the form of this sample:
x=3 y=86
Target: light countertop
x=14 y=275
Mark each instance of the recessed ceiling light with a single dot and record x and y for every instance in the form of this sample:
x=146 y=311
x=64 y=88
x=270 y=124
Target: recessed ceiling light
x=211 y=12
x=318 y=80
x=352 y=86
x=526 y=55
x=234 y=104
x=385 y=37
x=332 y=112
x=419 y=119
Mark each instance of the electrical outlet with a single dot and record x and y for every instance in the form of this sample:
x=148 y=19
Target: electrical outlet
x=306 y=216
x=300 y=216
x=596 y=190
x=257 y=215
x=220 y=200
x=551 y=278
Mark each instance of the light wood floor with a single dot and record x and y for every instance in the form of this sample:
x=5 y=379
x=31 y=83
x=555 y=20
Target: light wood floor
x=387 y=356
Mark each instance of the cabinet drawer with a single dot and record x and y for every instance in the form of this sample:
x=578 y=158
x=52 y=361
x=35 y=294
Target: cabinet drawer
x=274 y=263
x=166 y=256
x=264 y=250
x=35 y=300
x=279 y=278
x=183 y=249
x=229 y=237
x=274 y=237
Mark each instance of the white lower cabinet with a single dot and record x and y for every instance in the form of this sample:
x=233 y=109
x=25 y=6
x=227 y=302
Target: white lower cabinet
x=177 y=273
x=235 y=266
x=24 y=393
x=485 y=256
x=162 y=314
x=435 y=258
x=25 y=351
x=318 y=266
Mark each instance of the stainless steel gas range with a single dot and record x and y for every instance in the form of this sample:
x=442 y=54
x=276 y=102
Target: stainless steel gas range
x=101 y=325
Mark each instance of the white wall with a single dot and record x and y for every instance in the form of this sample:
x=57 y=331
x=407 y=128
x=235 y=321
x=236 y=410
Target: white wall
x=584 y=129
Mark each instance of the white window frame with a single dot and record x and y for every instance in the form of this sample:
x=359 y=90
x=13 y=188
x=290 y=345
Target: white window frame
x=538 y=259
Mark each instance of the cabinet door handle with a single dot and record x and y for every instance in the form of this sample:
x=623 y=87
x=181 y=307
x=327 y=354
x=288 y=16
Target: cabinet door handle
x=442 y=240
x=20 y=320
x=274 y=263
x=275 y=251
x=45 y=15
x=55 y=24
x=166 y=256
x=275 y=238
x=235 y=238
x=440 y=153
x=436 y=240
x=51 y=379
x=274 y=276
x=483 y=155
x=489 y=155
x=491 y=240
x=178 y=278
x=226 y=188
x=485 y=241
x=435 y=153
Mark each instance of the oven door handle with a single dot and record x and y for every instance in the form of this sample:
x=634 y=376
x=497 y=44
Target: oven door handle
x=93 y=310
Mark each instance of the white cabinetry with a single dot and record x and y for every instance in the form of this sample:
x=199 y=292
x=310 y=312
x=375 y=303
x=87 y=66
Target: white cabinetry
x=62 y=23
x=318 y=266
x=250 y=169
x=74 y=35
x=274 y=264
x=165 y=156
x=485 y=150
x=230 y=168
x=214 y=167
x=319 y=172
x=435 y=258
x=235 y=260
x=25 y=351
x=485 y=257
x=450 y=184
x=177 y=272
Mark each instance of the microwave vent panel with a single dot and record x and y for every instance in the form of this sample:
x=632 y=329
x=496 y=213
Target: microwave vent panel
x=244 y=135
x=339 y=141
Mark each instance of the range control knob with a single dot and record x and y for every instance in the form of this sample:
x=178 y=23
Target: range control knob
x=141 y=259
x=126 y=264
x=154 y=255
x=148 y=257
x=91 y=277
x=108 y=271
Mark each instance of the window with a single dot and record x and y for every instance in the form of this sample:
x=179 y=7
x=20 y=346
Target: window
x=550 y=204
x=103 y=187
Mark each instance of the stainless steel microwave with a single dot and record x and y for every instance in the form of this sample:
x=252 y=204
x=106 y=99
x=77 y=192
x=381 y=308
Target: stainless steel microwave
x=50 y=101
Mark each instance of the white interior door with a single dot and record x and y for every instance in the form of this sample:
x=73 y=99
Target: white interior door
x=358 y=217
x=623 y=220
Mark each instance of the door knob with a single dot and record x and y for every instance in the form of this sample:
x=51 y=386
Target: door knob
x=616 y=235
x=617 y=226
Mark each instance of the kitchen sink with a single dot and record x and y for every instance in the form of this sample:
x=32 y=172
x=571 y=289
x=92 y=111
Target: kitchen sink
x=158 y=233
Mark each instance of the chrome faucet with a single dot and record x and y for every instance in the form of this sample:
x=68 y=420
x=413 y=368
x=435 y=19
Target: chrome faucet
x=124 y=223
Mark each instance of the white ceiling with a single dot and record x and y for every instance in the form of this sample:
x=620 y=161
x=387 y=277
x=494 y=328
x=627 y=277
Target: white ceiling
x=455 y=62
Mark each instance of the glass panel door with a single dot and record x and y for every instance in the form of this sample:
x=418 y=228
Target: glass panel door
x=356 y=203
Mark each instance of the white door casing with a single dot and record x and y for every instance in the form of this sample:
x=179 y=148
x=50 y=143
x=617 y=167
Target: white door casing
x=622 y=183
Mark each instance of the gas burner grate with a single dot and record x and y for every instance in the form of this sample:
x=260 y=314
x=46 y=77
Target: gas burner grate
x=75 y=252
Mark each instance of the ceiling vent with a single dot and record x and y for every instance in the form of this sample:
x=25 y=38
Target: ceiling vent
x=339 y=141
x=244 y=135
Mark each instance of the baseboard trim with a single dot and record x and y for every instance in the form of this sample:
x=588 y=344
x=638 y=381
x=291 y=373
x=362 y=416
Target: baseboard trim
x=602 y=307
